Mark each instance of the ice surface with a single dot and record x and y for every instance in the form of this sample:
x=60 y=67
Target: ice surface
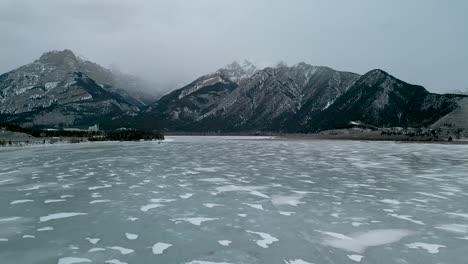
x=431 y=248
x=160 y=247
x=59 y=216
x=323 y=202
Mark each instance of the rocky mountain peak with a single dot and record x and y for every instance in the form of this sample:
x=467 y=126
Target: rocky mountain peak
x=64 y=57
x=376 y=77
x=237 y=72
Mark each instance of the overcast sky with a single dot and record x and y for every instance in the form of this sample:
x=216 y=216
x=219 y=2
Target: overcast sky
x=419 y=41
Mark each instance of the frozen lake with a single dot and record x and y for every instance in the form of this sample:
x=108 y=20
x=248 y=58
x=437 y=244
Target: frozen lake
x=206 y=200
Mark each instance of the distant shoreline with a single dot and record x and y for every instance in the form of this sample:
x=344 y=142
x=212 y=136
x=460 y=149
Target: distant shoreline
x=403 y=135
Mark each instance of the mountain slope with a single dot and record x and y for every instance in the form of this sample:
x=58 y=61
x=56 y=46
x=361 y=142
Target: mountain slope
x=56 y=90
x=381 y=100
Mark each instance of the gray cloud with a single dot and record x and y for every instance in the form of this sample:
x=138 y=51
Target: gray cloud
x=419 y=41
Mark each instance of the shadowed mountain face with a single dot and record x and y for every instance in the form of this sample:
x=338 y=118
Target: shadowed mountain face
x=381 y=100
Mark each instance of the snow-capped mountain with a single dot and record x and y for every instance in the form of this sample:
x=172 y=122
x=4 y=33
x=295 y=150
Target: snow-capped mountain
x=300 y=98
x=239 y=97
x=197 y=98
x=61 y=89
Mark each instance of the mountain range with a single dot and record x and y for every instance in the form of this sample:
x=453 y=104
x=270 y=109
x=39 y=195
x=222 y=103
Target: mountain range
x=61 y=89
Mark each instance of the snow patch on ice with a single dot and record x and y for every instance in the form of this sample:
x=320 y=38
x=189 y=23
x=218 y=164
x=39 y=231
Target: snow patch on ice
x=99 y=187
x=256 y=206
x=211 y=205
x=131 y=236
x=296 y=261
x=59 y=216
x=431 y=248
x=160 y=247
x=266 y=240
x=390 y=201
x=47 y=228
x=356 y=258
x=115 y=261
x=194 y=220
x=360 y=242
x=459 y=214
x=73 y=260
x=54 y=201
x=253 y=190
x=205 y=262
x=407 y=218
x=224 y=242
x=286 y=213
x=22 y=201
x=455 y=228
x=96 y=250
x=148 y=207
x=99 y=201
x=293 y=200
x=9 y=219
x=186 y=196
x=93 y=241
x=122 y=250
